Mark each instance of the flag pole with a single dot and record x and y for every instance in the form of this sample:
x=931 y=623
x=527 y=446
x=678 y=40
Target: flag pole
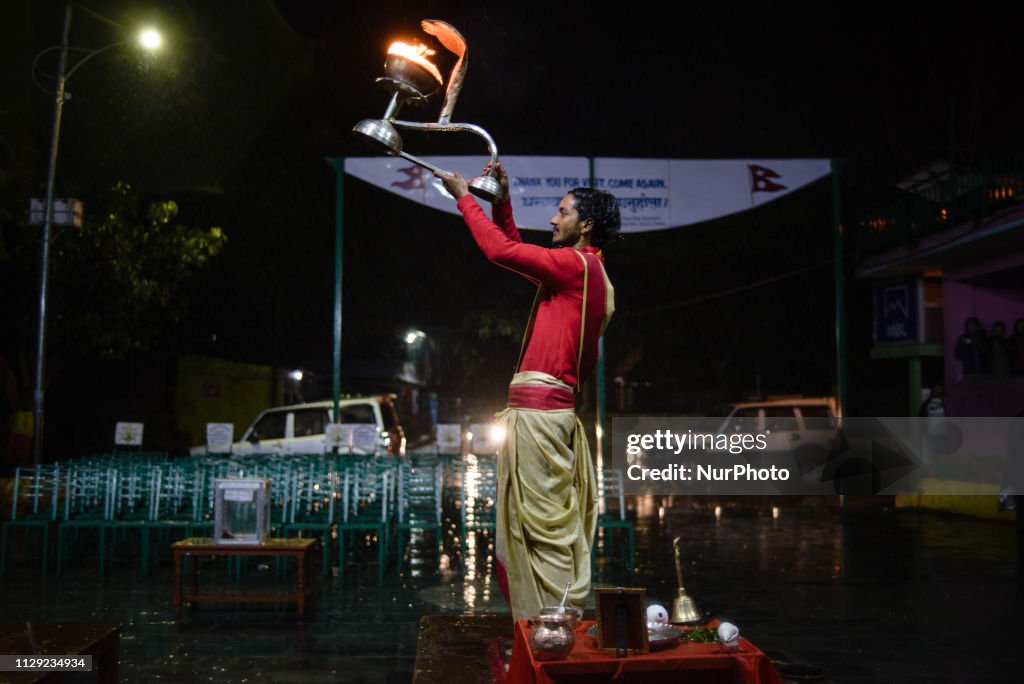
x=338 y=164
x=599 y=378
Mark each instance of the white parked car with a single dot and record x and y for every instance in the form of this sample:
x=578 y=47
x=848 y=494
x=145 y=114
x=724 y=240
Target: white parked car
x=372 y=426
x=802 y=426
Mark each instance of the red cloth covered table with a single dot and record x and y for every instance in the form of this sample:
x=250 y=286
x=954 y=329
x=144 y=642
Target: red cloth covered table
x=701 y=663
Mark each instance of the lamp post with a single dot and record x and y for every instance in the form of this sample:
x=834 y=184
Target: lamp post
x=149 y=39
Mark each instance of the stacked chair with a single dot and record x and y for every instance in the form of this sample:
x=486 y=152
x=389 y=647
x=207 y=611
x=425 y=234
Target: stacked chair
x=419 y=501
x=34 y=505
x=315 y=500
x=477 y=499
x=134 y=489
x=369 y=490
x=133 y=505
x=88 y=507
x=180 y=507
x=612 y=518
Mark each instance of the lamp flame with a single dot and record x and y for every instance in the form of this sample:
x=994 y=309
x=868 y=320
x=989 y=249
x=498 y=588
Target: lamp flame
x=417 y=54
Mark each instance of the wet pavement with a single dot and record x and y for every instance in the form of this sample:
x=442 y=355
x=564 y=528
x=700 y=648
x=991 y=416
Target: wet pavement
x=869 y=593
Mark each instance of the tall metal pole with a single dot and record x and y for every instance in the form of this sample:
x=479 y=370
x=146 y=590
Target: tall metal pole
x=338 y=163
x=840 y=292
x=44 y=269
x=599 y=379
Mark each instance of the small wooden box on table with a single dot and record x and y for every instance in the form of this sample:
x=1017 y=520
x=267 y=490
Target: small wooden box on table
x=298 y=548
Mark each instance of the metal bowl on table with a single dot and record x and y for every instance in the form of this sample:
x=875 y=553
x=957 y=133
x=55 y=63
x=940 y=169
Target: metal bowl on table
x=659 y=636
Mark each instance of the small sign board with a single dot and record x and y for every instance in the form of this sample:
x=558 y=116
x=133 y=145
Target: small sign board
x=485 y=438
x=219 y=437
x=449 y=438
x=66 y=212
x=351 y=437
x=335 y=437
x=898 y=308
x=240 y=495
x=128 y=434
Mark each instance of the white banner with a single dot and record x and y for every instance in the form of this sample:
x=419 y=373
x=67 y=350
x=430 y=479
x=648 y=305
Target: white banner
x=653 y=194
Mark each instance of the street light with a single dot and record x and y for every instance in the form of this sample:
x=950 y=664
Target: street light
x=149 y=39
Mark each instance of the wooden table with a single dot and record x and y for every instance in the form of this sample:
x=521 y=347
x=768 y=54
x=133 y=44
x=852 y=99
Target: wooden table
x=101 y=640
x=694 y=663
x=298 y=548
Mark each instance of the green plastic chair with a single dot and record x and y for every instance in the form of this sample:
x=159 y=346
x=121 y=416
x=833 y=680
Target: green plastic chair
x=368 y=493
x=87 y=505
x=34 y=505
x=419 y=502
x=135 y=485
x=611 y=518
x=314 y=502
x=478 y=495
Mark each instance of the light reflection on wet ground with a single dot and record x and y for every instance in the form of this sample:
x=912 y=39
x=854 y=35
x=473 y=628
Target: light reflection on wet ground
x=871 y=595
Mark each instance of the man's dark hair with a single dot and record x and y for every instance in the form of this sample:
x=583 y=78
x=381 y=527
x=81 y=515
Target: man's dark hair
x=601 y=208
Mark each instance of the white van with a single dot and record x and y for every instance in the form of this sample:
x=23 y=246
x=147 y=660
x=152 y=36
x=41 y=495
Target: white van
x=299 y=428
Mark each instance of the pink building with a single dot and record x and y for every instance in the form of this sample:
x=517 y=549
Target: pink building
x=951 y=248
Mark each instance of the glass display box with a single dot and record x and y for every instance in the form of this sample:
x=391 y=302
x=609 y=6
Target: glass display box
x=241 y=510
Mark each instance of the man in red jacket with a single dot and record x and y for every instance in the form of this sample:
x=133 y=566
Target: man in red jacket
x=547 y=494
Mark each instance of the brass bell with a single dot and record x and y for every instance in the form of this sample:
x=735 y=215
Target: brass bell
x=684 y=608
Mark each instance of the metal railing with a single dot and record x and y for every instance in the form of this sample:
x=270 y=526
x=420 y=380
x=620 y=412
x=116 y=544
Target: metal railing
x=953 y=197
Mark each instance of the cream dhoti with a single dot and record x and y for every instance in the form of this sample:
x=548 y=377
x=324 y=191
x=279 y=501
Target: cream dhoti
x=547 y=497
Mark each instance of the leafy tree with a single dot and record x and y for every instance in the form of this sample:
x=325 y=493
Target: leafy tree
x=118 y=285
x=124 y=277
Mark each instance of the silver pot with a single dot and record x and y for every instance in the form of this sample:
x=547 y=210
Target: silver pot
x=552 y=635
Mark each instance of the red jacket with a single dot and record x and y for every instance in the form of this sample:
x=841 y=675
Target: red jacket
x=551 y=343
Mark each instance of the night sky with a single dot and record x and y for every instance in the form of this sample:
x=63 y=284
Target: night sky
x=236 y=118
